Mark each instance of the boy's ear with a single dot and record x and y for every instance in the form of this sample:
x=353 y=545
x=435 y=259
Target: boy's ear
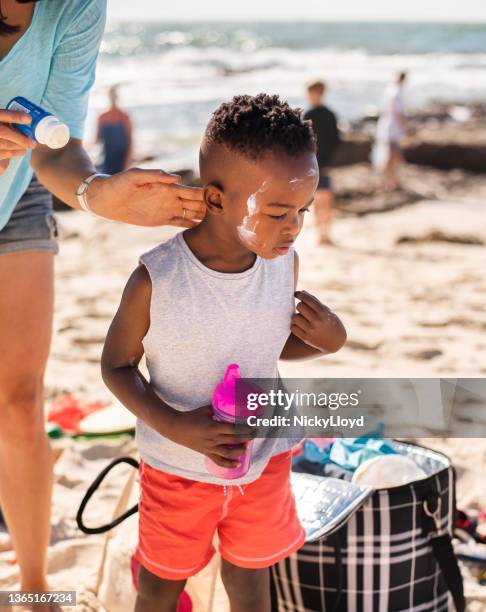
x=213 y=198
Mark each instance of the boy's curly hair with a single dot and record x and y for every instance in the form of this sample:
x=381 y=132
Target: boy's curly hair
x=255 y=125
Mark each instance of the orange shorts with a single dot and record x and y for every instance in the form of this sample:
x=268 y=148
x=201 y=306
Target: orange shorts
x=179 y=517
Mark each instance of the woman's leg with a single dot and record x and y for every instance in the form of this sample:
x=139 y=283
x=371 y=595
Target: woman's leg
x=392 y=169
x=247 y=589
x=26 y=311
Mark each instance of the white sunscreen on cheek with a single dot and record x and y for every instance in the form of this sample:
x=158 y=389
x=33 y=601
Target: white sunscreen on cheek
x=247 y=228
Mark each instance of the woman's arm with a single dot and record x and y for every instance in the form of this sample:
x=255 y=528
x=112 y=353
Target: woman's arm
x=136 y=196
x=61 y=169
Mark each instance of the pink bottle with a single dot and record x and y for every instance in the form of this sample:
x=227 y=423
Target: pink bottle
x=225 y=409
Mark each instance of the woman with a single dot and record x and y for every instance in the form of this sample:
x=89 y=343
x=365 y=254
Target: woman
x=48 y=52
x=390 y=131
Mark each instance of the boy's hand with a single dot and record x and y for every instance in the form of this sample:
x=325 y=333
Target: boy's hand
x=197 y=430
x=316 y=325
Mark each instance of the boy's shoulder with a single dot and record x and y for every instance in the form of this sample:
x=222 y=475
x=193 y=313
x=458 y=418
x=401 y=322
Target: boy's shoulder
x=161 y=257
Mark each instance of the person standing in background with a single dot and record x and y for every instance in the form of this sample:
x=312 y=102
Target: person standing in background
x=114 y=132
x=324 y=124
x=390 y=130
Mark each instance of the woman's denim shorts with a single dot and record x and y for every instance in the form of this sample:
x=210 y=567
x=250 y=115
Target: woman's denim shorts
x=32 y=226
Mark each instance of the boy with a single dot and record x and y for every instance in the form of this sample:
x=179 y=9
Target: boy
x=218 y=293
x=325 y=128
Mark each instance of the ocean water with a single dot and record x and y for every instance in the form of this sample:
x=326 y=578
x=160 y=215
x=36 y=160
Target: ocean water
x=173 y=75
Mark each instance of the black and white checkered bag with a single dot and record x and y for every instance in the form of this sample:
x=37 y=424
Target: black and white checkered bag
x=384 y=550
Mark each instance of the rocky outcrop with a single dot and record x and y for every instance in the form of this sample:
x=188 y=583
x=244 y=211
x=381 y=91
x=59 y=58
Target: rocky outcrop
x=355 y=148
x=449 y=147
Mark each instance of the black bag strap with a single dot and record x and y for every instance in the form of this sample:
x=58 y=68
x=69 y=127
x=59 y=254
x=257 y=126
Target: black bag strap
x=92 y=489
x=445 y=557
x=442 y=549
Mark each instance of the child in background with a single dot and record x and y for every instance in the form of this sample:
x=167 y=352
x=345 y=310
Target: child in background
x=219 y=293
x=325 y=128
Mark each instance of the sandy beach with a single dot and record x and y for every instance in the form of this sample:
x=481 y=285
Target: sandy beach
x=134 y=84
x=408 y=284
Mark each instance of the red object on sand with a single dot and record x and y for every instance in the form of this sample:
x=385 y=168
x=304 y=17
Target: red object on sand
x=183 y=605
x=67 y=412
x=469 y=524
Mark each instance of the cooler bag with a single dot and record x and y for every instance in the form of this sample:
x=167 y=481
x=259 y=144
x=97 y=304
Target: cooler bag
x=374 y=550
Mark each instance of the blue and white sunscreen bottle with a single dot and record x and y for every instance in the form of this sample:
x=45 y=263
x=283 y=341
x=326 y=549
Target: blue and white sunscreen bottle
x=44 y=128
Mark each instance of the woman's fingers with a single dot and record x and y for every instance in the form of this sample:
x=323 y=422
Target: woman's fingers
x=9 y=145
x=194 y=194
x=169 y=177
x=8 y=154
x=142 y=176
x=14 y=136
x=197 y=215
x=8 y=116
x=191 y=214
x=192 y=206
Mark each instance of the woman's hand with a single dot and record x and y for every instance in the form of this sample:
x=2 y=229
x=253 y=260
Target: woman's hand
x=12 y=142
x=146 y=197
x=197 y=430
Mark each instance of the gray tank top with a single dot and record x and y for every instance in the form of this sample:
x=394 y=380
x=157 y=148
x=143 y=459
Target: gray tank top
x=200 y=322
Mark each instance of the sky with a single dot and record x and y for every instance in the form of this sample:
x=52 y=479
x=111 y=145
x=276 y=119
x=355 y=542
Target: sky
x=349 y=10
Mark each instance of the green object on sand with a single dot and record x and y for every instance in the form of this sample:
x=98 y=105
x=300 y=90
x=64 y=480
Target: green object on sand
x=53 y=431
